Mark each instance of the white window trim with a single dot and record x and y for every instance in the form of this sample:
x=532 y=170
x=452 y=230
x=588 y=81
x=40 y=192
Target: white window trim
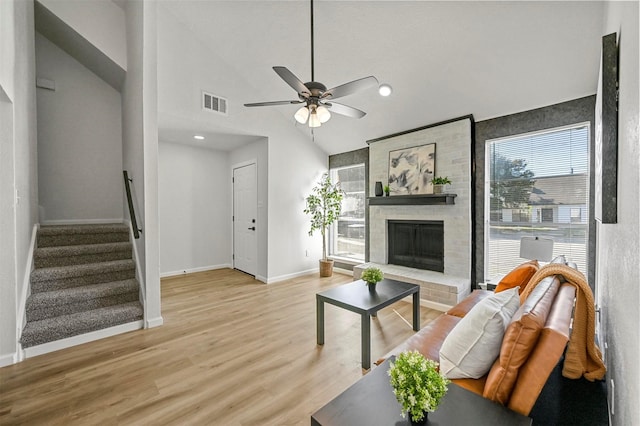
x=487 y=179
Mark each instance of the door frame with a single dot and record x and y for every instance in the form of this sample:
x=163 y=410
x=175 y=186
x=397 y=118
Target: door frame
x=235 y=166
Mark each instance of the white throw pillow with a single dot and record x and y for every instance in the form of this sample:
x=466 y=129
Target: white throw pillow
x=474 y=343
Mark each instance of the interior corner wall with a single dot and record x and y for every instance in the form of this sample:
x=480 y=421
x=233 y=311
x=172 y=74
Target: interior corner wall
x=618 y=251
x=195 y=219
x=140 y=144
x=258 y=151
x=562 y=114
x=79 y=141
x=100 y=22
x=17 y=77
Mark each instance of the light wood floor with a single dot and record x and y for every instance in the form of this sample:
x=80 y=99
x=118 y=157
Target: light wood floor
x=232 y=351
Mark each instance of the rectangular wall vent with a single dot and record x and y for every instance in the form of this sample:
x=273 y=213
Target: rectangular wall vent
x=214 y=103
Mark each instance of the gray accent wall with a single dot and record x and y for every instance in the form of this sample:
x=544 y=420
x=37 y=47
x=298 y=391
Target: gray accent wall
x=350 y=158
x=562 y=114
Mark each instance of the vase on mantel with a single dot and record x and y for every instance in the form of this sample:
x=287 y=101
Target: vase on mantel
x=378 y=189
x=438 y=189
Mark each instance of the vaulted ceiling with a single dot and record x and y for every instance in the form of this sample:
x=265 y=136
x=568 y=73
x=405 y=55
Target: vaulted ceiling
x=443 y=59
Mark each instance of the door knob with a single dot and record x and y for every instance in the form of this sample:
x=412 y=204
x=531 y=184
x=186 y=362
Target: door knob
x=253 y=228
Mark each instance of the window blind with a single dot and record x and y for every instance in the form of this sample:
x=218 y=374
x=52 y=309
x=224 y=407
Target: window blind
x=347 y=234
x=537 y=185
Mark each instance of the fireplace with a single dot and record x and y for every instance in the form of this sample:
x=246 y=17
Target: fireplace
x=416 y=244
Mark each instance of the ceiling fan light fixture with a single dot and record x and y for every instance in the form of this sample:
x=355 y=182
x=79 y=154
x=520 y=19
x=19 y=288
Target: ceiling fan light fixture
x=323 y=114
x=301 y=115
x=385 y=89
x=314 y=121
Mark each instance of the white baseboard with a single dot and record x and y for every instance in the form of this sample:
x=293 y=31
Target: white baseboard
x=289 y=276
x=343 y=271
x=82 y=338
x=435 y=305
x=154 y=322
x=192 y=270
x=8 y=359
x=82 y=221
x=261 y=278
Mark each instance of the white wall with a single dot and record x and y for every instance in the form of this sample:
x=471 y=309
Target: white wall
x=18 y=100
x=79 y=141
x=102 y=22
x=140 y=143
x=194 y=193
x=187 y=66
x=618 y=268
x=258 y=151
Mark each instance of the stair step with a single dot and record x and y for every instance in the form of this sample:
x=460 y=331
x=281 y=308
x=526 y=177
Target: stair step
x=61 y=277
x=61 y=327
x=45 y=257
x=77 y=299
x=70 y=235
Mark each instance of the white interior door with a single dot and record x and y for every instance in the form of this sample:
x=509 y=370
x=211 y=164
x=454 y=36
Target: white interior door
x=245 y=247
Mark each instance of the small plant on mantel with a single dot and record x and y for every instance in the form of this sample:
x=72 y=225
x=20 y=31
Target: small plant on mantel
x=372 y=276
x=439 y=182
x=387 y=190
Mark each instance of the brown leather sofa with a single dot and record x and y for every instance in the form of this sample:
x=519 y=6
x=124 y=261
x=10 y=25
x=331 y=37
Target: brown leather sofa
x=533 y=343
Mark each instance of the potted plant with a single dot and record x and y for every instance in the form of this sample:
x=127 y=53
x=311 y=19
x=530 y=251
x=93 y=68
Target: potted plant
x=324 y=205
x=417 y=385
x=372 y=276
x=438 y=184
x=387 y=189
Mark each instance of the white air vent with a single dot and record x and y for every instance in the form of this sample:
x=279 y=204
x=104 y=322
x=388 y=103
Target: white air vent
x=214 y=103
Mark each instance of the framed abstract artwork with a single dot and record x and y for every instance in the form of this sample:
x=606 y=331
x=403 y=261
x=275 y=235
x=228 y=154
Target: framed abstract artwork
x=411 y=170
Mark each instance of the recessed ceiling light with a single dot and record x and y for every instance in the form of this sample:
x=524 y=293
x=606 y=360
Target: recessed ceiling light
x=384 y=89
x=198 y=137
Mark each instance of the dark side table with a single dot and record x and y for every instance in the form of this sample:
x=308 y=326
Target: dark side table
x=357 y=298
x=371 y=402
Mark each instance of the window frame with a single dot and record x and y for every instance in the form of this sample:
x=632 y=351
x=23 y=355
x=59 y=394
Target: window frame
x=487 y=190
x=334 y=226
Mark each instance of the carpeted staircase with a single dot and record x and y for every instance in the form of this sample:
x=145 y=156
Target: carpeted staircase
x=84 y=280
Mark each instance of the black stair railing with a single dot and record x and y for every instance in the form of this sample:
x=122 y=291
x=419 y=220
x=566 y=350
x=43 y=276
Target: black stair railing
x=132 y=212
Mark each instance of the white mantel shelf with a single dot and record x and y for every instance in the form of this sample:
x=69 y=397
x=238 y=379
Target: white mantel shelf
x=413 y=200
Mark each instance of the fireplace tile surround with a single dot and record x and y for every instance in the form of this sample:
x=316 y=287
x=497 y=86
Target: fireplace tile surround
x=453 y=159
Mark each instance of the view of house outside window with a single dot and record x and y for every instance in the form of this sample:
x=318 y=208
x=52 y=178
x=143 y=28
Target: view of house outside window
x=347 y=234
x=537 y=185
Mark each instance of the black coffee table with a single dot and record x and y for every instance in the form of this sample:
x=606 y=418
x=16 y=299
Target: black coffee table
x=357 y=298
x=371 y=402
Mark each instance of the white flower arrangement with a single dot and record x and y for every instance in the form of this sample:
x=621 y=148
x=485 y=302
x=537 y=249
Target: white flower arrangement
x=417 y=384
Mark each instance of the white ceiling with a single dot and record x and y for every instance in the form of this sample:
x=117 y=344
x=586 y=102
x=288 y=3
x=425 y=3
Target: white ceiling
x=443 y=59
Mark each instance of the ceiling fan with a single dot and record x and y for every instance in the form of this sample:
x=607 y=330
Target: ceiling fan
x=317 y=99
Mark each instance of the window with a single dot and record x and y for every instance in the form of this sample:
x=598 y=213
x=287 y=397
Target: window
x=537 y=185
x=347 y=234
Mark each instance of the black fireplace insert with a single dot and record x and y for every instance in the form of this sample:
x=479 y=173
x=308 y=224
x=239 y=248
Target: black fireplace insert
x=416 y=244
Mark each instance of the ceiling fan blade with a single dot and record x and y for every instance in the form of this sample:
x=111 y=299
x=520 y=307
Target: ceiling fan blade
x=345 y=110
x=292 y=81
x=351 y=87
x=273 y=103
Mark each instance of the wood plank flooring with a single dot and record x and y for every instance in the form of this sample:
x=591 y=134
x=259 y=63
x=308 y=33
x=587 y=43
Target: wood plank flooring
x=232 y=351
